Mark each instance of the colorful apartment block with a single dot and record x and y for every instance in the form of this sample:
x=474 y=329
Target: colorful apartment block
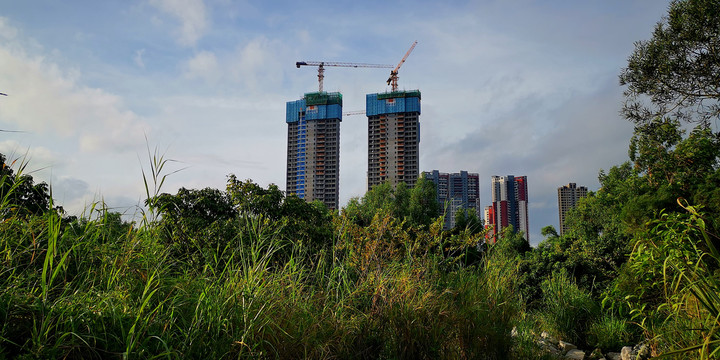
x=509 y=205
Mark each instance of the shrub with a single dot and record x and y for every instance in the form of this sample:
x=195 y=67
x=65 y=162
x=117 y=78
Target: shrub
x=609 y=333
x=567 y=310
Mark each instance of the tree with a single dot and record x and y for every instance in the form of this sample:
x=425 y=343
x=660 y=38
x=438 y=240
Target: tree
x=251 y=198
x=306 y=223
x=417 y=205
x=466 y=219
x=195 y=208
x=549 y=232
x=193 y=221
x=511 y=243
x=679 y=68
x=19 y=195
x=674 y=79
x=423 y=206
x=299 y=222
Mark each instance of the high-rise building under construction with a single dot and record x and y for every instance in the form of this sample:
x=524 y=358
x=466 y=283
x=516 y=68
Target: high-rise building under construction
x=313 y=150
x=393 y=137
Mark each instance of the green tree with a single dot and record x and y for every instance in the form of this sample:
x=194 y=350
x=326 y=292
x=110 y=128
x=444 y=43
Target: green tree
x=423 y=206
x=678 y=70
x=299 y=222
x=673 y=80
x=672 y=94
x=511 y=243
x=252 y=199
x=194 y=221
x=549 y=232
x=417 y=206
x=466 y=219
x=306 y=224
x=19 y=195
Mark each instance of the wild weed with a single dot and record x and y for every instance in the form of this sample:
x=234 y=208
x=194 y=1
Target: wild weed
x=567 y=310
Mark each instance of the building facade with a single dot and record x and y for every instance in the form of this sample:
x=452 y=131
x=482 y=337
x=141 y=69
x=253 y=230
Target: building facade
x=454 y=192
x=509 y=205
x=393 y=137
x=313 y=150
x=568 y=197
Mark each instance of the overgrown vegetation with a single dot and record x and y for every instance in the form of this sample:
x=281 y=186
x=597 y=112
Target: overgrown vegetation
x=247 y=272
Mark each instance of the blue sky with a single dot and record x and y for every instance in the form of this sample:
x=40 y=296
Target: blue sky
x=508 y=87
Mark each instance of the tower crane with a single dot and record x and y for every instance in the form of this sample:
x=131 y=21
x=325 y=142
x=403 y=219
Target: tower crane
x=392 y=80
x=321 y=68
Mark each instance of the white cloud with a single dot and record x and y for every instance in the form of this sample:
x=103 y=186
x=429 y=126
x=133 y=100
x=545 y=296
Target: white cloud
x=256 y=64
x=37 y=157
x=203 y=65
x=138 y=58
x=192 y=17
x=47 y=100
x=6 y=30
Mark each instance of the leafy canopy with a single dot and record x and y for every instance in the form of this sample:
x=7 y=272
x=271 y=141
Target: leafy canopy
x=678 y=70
x=19 y=195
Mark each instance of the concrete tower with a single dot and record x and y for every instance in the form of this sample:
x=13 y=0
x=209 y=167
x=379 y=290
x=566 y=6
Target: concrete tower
x=393 y=137
x=456 y=191
x=313 y=150
x=568 y=197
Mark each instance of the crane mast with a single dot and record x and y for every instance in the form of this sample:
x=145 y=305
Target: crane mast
x=392 y=80
x=321 y=68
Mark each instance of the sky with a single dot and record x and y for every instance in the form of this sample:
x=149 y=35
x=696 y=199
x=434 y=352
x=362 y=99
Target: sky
x=508 y=88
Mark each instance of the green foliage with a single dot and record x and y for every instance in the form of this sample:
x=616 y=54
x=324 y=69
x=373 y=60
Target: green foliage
x=549 y=232
x=98 y=287
x=252 y=199
x=423 y=208
x=203 y=226
x=194 y=221
x=598 y=238
x=19 y=195
x=675 y=166
x=467 y=220
x=417 y=205
x=669 y=285
x=609 y=333
x=672 y=284
x=678 y=68
x=298 y=220
x=567 y=310
x=511 y=244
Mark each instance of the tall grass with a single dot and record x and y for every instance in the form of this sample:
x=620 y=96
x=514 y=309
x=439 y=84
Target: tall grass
x=95 y=287
x=567 y=310
x=691 y=285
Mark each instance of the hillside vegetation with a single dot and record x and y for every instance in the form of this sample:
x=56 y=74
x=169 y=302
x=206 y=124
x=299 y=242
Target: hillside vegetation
x=247 y=272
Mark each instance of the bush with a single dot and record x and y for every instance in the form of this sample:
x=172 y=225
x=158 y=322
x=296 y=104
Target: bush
x=609 y=333
x=567 y=310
